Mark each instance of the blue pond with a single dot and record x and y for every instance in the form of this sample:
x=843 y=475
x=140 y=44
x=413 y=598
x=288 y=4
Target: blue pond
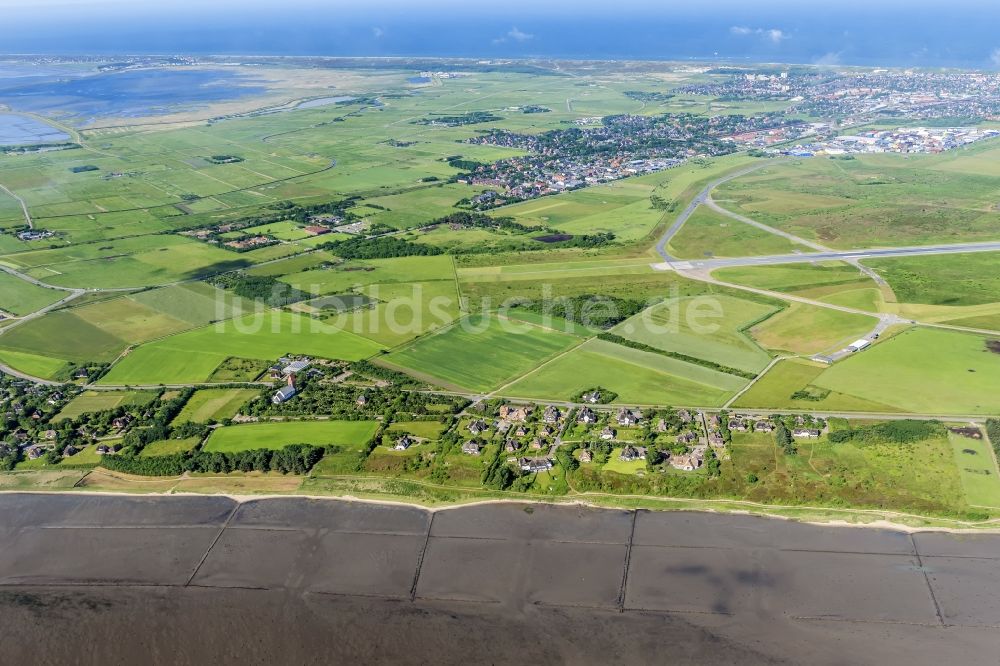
x=129 y=94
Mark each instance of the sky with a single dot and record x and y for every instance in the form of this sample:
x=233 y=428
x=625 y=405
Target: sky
x=876 y=32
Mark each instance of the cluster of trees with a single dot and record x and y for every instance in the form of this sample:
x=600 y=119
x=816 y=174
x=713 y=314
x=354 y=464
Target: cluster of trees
x=993 y=432
x=459 y=162
x=606 y=395
x=470 y=118
x=84 y=168
x=617 y=339
x=372 y=371
x=784 y=439
x=264 y=288
x=903 y=431
x=498 y=475
x=648 y=96
x=598 y=311
x=659 y=203
x=483 y=221
x=381 y=247
x=292 y=459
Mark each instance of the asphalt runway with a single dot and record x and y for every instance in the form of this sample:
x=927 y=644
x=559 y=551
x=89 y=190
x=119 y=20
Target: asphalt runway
x=90 y=579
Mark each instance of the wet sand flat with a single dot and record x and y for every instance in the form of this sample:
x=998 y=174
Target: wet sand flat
x=293 y=580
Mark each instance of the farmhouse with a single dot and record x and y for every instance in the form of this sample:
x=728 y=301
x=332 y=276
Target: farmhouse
x=737 y=424
x=362 y=400
x=608 y=433
x=472 y=448
x=478 y=427
x=285 y=393
x=805 y=432
x=315 y=230
x=34 y=452
x=404 y=443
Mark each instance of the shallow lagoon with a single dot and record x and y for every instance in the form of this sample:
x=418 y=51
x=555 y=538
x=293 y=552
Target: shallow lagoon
x=18 y=130
x=131 y=94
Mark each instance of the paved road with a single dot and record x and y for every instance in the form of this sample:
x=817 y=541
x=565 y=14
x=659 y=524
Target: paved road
x=209 y=580
x=832 y=255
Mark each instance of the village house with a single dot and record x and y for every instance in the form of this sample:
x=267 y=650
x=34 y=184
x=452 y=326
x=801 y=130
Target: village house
x=737 y=424
x=517 y=414
x=547 y=431
x=687 y=437
x=684 y=415
x=608 y=433
x=716 y=420
x=687 y=463
x=511 y=445
x=763 y=426
x=586 y=415
x=534 y=464
x=628 y=417
x=536 y=443
x=472 y=448
x=551 y=414
x=805 y=432
x=106 y=449
x=404 y=443
x=34 y=452
x=503 y=427
x=121 y=422
x=521 y=431
x=478 y=427
x=632 y=453
x=55 y=398
x=715 y=438
x=49 y=434
x=593 y=397
x=362 y=400
x=70 y=451
x=586 y=456
x=661 y=426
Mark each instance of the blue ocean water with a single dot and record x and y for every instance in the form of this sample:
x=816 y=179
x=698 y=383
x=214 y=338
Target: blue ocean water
x=924 y=33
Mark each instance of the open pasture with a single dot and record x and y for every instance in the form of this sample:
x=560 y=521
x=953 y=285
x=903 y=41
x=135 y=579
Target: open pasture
x=706 y=327
x=947 y=279
x=21 y=298
x=214 y=405
x=192 y=356
x=636 y=376
x=97 y=401
x=250 y=436
x=810 y=329
x=481 y=353
x=871 y=201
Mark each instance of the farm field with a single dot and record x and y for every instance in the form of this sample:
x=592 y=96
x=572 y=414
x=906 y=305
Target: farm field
x=871 y=201
x=705 y=327
x=96 y=401
x=166 y=447
x=809 y=329
x=777 y=388
x=20 y=298
x=214 y=404
x=424 y=429
x=961 y=374
x=479 y=354
x=250 y=436
x=192 y=357
x=636 y=376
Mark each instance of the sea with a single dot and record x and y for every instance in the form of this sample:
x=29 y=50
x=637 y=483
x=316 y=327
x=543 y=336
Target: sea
x=899 y=33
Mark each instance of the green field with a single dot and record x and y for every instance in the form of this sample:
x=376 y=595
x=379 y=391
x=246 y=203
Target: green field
x=424 y=429
x=948 y=279
x=250 y=436
x=977 y=470
x=775 y=390
x=708 y=233
x=166 y=447
x=192 y=357
x=481 y=353
x=824 y=281
x=924 y=371
x=214 y=404
x=96 y=401
x=706 y=327
x=877 y=200
x=20 y=298
x=809 y=329
x=636 y=376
